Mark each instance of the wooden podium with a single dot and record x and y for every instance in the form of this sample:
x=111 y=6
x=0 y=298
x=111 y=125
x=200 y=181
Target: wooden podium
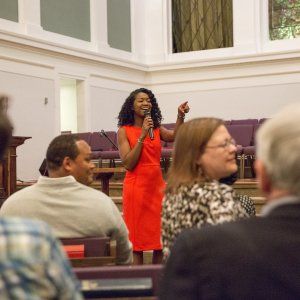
x=8 y=168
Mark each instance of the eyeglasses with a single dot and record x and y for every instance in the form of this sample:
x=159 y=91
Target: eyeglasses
x=225 y=145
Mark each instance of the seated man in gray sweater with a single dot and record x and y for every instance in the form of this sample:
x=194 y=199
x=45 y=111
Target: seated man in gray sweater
x=33 y=263
x=65 y=202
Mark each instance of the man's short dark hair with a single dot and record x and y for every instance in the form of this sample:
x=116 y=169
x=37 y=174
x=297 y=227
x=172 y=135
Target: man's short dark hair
x=62 y=146
x=5 y=126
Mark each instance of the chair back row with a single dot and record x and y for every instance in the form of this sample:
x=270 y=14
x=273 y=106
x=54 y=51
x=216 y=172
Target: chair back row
x=244 y=134
x=98 y=142
x=103 y=146
x=245 y=121
x=241 y=130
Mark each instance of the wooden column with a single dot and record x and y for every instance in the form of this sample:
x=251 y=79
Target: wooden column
x=8 y=168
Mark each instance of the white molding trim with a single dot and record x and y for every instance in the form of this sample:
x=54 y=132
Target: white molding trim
x=190 y=61
x=256 y=48
x=20 y=67
x=113 y=78
x=114 y=57
x=19 y=60
x=227 y=83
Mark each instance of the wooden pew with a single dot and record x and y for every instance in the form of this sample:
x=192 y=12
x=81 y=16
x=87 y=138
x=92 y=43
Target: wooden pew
x=98 y=251
x=115 y=274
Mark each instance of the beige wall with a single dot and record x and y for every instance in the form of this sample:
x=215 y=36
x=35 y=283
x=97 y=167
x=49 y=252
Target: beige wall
x=253 y=79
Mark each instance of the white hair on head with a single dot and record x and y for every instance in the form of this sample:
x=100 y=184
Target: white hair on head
x=278 y=147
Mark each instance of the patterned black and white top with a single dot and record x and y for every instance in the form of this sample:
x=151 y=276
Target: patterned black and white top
x=195 y=206
x=247 y=204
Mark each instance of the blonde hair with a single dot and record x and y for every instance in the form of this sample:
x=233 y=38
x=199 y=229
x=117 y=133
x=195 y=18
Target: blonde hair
x=190 y=142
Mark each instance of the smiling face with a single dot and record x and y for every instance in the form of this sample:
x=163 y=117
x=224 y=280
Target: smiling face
x=218 y=159
x=141 y=103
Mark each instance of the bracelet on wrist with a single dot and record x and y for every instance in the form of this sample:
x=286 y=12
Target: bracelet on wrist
x=140 y=141
x=179 y=116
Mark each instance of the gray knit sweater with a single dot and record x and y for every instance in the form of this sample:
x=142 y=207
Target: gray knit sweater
x=73 y=210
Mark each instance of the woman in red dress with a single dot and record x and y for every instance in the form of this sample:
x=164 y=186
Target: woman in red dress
x=139 y=138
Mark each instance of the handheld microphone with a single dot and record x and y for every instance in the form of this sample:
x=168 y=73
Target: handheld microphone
x=147 y=113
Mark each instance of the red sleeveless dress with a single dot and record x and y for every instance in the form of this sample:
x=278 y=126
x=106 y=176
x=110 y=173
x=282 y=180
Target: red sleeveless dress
x=143 y=192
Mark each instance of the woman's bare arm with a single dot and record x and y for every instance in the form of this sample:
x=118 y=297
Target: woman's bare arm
x=168 y=135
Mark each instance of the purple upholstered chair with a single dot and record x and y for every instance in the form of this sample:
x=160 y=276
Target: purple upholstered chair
x=243 y=135
x=249 y=151
x=103 y=148
x=167 y=148
x=119 y=272
x=169 y=126
x=244 y=122
x=261 y=121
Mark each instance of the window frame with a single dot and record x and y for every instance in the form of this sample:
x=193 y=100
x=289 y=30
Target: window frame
x=268 y=45
x=210 y=54
x=256 y=48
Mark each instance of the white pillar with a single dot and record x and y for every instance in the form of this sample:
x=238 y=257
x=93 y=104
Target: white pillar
x=138 y=25
x=246 y=24
x=157 y=19
x=30 y=16
x=149 y=30
x=98 y=11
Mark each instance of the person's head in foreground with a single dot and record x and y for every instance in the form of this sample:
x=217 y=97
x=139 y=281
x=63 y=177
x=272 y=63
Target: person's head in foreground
x=69 y=155
x=203 y=151
x=278 y=154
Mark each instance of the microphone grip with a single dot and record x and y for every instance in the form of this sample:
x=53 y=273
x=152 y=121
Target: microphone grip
x=150 y=131
x=151 y=134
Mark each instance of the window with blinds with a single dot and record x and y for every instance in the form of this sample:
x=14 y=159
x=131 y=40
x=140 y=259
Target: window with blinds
x=201 y=24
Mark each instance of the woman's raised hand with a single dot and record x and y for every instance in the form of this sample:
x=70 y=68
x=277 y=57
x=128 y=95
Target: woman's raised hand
x=183 y=109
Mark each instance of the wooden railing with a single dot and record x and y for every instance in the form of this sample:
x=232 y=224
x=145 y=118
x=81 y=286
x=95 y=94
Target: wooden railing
x=105 y=174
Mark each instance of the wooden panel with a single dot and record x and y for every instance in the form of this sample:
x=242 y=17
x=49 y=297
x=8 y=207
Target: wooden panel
x=8 y=169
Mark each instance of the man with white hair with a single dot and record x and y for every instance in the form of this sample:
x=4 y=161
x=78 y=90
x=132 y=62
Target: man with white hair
x=255 y=258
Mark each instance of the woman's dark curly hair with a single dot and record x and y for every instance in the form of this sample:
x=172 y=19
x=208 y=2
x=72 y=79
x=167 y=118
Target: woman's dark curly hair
x=126 y=115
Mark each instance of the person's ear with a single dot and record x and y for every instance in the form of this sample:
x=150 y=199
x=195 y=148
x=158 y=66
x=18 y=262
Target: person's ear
x=262 y=176
x=67 y=164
